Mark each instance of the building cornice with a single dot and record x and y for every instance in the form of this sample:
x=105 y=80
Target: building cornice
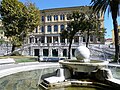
x=64 y=9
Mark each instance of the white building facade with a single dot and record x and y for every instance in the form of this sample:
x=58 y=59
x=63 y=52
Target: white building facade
x=46 y=41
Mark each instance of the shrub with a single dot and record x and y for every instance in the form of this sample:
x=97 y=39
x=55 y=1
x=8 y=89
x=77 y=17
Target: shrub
x=16 y=53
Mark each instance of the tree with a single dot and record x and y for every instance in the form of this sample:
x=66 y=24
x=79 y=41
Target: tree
x=82 y=22
x=74 y=25
x=114 y=8
x=18 y=20
x=92 y=26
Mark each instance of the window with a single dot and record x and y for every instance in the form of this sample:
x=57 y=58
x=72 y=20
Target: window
x=55 y=17
x=36 y=30
x=45 y=52
x=42 y=29
x=62 y=40
x=62 y=27
x=73 y=52
x=30 y=40
x=42 y=39
x=62 y=17
x=49 y=18
x=55 y=39
x=64 y=52
x=49 y=28
x=36 y=40
x=49 y=40
x=55 y=52
x=55 y=28
x=42 y=18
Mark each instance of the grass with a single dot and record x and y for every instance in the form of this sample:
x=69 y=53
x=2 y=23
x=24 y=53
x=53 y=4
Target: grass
x=21 y=59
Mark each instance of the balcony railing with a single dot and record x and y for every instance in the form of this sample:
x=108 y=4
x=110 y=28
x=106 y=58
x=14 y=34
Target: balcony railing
x=54 y=44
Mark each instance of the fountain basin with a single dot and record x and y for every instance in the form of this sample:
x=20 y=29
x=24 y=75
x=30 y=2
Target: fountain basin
x=77 y=66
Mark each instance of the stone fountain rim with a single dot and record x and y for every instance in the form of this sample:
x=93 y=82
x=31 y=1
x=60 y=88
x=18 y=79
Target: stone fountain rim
x=100 y=63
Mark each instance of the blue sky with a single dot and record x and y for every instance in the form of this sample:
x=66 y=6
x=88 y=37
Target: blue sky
x=46 y=4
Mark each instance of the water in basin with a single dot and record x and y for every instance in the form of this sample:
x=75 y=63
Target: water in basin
x=28 y=80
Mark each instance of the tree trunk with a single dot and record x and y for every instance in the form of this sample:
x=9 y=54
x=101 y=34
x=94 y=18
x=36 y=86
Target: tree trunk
x=88 y=34
x=13 y=48
x=114 y=9
x=69 y=50
x=116 y=38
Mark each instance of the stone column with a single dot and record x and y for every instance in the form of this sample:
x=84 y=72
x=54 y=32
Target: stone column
x=41 y=51
x=45 y=18
x=52 y=18
x=33 y=40
x=59 y=39
x=45 y=29
x=59 y=29
x=58 y=17
x=50 y=52
x=45 y=39
x=73 y=41
x=52 y=28
x=32 y=49
x=65 y=17
x=52 y=39
x=66 y=41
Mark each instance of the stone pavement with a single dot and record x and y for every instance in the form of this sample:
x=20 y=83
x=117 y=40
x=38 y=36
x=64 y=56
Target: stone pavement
x=7 y=69
x=8 y=66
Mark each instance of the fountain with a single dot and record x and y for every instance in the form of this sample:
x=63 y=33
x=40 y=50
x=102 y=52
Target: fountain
x=83 y=63
x=81 y=71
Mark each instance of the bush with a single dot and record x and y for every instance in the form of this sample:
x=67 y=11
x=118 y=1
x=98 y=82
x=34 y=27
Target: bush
x=16 y=53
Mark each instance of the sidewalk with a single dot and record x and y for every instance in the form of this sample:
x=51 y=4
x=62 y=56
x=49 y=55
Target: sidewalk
x=8 y=66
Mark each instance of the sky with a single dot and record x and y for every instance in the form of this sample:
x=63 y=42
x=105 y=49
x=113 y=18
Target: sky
x=47 y=4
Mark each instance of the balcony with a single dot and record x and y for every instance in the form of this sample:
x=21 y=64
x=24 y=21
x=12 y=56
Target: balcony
x=55 y=44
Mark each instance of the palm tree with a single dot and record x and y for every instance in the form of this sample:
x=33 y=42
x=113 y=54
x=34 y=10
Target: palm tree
x=114 y=7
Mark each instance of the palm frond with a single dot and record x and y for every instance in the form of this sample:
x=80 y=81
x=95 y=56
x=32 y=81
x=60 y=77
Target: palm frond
x=113 y=6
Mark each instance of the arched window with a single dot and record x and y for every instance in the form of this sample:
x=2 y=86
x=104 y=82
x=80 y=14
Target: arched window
x=42 y=18
x=55 y=28
x=49 y=28
x=49 y=18
x=62 y=27
x=55 y=17
x=62 y=17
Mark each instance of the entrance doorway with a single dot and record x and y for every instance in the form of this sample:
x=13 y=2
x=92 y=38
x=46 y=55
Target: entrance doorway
x=55 y=52
x=64 y=52
x=45 y=52
x=36 y=52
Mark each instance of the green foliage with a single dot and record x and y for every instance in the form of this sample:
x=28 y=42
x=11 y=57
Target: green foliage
x=92 y=26
x=18 y=19
x=15 y=54
x=2 y=41
x=22 y=60
x=82 y=22
x=75 y=24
